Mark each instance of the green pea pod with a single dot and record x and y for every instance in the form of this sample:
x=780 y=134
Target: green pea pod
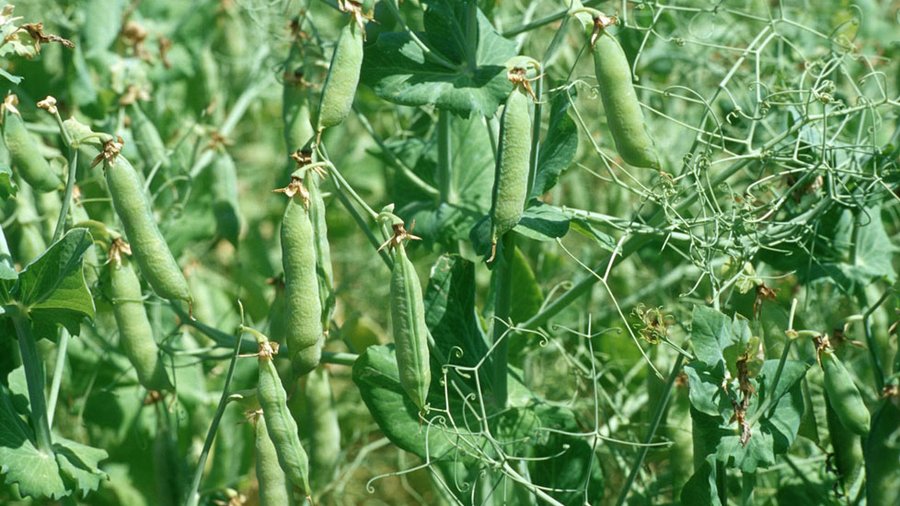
x=280 y=426
x=511 y=173
x=273 y=485
x=883 y=455
x=225 y=197
x=157 y=264
x=325 y=448
x=135 y=332
x=303 y=307
x=298 y=128
x=101 y=23
x=410 y=331
x=343 y=78
x=847 y=448
x=623 y=111
x=844 y=396
x=147 y=139
x=25 y=154
x=31 y=243
x=324 y=270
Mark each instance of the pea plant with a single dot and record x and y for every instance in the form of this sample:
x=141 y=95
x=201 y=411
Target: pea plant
x=449 y=252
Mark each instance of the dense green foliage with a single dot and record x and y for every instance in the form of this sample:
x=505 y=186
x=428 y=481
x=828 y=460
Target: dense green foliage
x=640 y=256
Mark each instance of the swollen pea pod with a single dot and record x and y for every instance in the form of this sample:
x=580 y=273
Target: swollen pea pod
x=513 y=156
x=298 y=130
x=157 y=264
x=273 y=485
x=620 y=102
x=343 y=75
x=408 y=317
x=280 y=426
x=303 y=308
x=847 y=449
x=882 y=451
x=324 y=429
x=31 y=241
x=843 y=395
x=25 y=152
x=135 y=332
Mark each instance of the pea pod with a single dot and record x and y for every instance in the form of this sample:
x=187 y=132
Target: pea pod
x=343 y=77
x=882 y=451
x=273 y=485
x=225 y=197
x=302 y=305
x=25 y=152
x=147 y=139
x=324 y=429
x=623 y=111
x=847 y=448
x=157 y=264
x=843 y=395
x=324 y=271
x=280 y=426
x=511 y=173
x=408 y=318
x=135 y=332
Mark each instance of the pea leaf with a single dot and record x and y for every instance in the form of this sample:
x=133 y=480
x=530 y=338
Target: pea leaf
x=558 y=149
x=7 y=186
x=471 y=79
x=52 y=286
x=71 y=467
x=543 y=222
x=712 y=333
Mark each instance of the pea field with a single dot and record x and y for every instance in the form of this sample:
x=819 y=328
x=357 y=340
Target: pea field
x=449 y=252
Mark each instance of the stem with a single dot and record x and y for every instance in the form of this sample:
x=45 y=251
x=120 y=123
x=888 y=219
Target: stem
x=67 y=198
x=536 y=134
x=775 y=380
x=193 y=496
x=654 y=426
x=546 y=20
x=502 y=305
x=34 y=376
x=339 y=358
x=445 y=186
x=57 y=374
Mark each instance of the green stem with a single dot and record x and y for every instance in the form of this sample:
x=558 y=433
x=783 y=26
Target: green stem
x=67 y=198
x=546 y=20
x=658 y=413
x=193 y=495
x=63 y=346
x=445 y=186
x=34 y=376
x=536 y=134
x=339 y=358
x=502 y=306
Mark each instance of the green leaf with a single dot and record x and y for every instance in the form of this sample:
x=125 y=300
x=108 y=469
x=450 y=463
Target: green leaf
x=52 y=287
x=873 y=251
x=71 y=467
x=558 y=149
x=375 y=374
x=701 y=488
x=529 y=297
x=399 y=70
x=450 y=310
x=543 y=222
x=712 y=333
x=7 y=186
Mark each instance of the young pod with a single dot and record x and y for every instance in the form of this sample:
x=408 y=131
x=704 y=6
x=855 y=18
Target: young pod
x=511 y=172
x=343 y=77
x=273 y=485
x=843 y=395
x=147 y=139
x=25 y=152
x=302 y=305
x=325 y=432
x=225 y=197
x=157 y=264
x=408 y=319
x=623 y=111
x=135 y=332
x=280 y=426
